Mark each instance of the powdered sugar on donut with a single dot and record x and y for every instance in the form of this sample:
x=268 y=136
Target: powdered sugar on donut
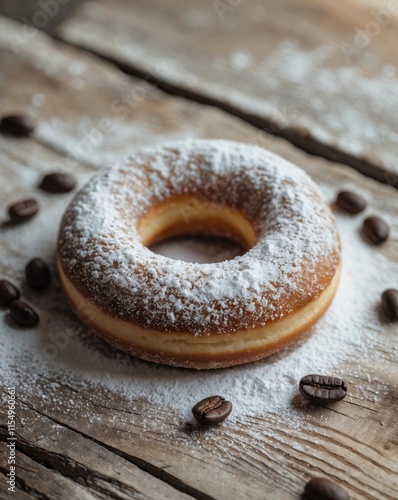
x=295 y=255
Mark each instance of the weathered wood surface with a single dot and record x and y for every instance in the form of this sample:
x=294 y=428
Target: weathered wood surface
x=91 y=438
x=84 y=470
x=321 y=74
x=44 y=15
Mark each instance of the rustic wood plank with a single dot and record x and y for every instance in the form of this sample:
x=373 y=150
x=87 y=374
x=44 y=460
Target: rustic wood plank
x=306 y=71
x=93 y=128
x=103 y=473
x=273 y=463
x=4 y=491
x=249 y=457
x=36 y=481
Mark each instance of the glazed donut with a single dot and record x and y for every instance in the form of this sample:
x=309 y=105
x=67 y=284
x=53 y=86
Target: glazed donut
x=200 y=315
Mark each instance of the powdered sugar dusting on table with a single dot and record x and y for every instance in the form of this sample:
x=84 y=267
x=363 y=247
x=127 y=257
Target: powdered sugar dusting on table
x=316 y=90
x=294 y=258
x=349 y=332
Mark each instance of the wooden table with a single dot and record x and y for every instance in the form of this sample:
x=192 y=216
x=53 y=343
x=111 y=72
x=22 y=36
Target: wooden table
x=291 y=68
x=77 y=440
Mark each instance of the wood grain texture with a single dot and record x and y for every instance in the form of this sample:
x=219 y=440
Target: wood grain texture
x=91 y=437
x=36 y=481
x=318 y=73
x=86 y=467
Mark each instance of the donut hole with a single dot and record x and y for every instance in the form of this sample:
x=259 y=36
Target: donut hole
x=206 y=223
x=198 y=249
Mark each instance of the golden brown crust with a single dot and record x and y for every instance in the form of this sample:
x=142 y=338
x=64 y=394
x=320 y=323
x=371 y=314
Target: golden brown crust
x=208 y=315
x=213 y=351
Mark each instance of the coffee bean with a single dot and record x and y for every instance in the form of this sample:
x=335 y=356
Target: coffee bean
x=350 y=202
x=376 y=229
x=58 y=183
x=389 y=302
x=321 y=389
x=23 y=314
x=8 y=293
x=321 y=488
x=212 y=410
x=23 y=210
x=37 y=274
x=20 y=125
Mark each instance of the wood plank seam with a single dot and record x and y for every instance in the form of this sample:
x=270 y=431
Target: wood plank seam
x=43 y=467
x=151 y=469
x=74 y=471
x=301 y=141
x=86 y=464
x=56 y=462
x=21 y=485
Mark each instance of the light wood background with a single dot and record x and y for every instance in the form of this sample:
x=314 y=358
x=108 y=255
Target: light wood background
x=321 y=74
x=105 y=445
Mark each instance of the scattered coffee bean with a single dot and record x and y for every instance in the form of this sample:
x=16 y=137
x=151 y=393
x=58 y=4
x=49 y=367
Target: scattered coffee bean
x=321 y=488
x=58 y=183
x=20 y=125
x=212 y=410
x=376 y=229
x=321 y=389
x=37 y=274
x=8 y=293
x=350 y=202
x=389 y=302
x=23 y=210
x=23 y=314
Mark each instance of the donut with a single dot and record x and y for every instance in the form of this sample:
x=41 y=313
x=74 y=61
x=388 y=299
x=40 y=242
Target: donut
x=200 y=315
